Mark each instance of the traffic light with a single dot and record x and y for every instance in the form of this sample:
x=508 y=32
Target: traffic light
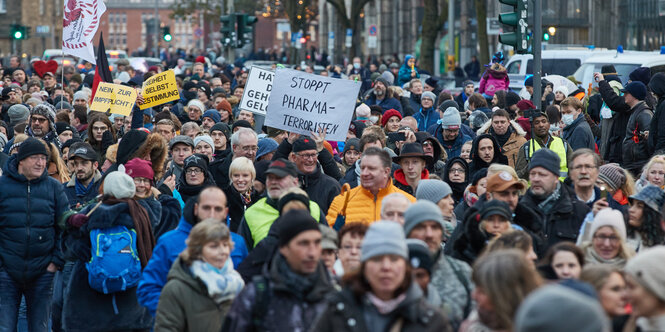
x=245 y=31
x=228 y=28
x=546 y=36
x=166 y=33
x=517 y=19
x=19 y=31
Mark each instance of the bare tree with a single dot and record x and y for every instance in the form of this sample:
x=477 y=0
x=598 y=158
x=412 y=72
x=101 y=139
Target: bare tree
x=435 y=16
x=483 y=43
x=352 y=22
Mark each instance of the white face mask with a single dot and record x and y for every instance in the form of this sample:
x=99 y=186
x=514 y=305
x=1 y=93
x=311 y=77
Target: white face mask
x=567 y=119
x=356 y=65
x=374 y=119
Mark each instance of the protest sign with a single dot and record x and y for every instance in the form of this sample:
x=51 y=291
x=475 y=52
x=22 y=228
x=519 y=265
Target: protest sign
x=257 y=90
x=119 y=98
x=160 y=89
x=304 y=103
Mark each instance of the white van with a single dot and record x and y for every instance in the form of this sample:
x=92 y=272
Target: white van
x=555 y=62
x=624 y=63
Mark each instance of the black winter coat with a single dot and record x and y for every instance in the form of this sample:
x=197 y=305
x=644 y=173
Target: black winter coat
x=657 y=130
x=29 y=232
x=237 y=205
x=636 y=154
x=616 y=103
x=565 y=220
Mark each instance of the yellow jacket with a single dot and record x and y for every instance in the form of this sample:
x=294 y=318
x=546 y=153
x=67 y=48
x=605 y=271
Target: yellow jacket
x=362 y=204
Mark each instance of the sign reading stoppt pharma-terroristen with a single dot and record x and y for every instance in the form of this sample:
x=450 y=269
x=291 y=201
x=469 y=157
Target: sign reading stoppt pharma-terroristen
x=159 y=89
x=304 y=103
x=118 y=98
x=257 y=90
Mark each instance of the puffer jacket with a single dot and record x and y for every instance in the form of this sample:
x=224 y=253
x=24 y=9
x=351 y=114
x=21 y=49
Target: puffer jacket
x=346 y=312
x=657 y=130
x=29 y=234
x=284 y=308
x=514 y=143
x=85 y=309
x=362 y=205
x=185 y=304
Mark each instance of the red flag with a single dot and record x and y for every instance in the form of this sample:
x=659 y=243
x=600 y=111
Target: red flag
x=102 y=71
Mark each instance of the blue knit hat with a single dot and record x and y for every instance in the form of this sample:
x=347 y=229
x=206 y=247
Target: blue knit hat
x=266 y=145
x=213 y=114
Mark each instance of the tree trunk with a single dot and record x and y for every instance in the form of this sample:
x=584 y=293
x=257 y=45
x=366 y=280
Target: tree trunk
x=481 y=16
x=430 y=30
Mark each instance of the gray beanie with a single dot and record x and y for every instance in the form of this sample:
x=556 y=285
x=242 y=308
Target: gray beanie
x=384 y=238
x=432 y=190
x=428 y=94
x=389 y=77
x=18 y=113
x=421 y=211
x=556 y=308
x=546 y=159
x=451 y=119
x=81 y=95
x=648 y=269
x=119 y=185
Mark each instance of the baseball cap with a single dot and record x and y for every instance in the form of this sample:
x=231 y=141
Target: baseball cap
x=282 y=167
x=502 y=181
x=82 y=150
x=496 y=207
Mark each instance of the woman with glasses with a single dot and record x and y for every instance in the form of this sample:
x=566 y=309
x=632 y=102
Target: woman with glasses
x=98 y=125
x=456 y=175
x=608 y=240
x=195 y=176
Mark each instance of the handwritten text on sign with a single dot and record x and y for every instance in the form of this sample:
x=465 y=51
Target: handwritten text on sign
x=257 y=90
x=160 y=89
x=119 y=98
x=304 y=103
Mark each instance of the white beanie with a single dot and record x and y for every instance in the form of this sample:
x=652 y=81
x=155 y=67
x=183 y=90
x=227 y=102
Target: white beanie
x=204 y=138
x=561 y=89
x=363 y=111
x=648 y=268
x=198 y=104
x=119 y=185
x=612 y=218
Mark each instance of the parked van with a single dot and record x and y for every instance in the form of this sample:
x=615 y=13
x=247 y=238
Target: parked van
x=624 y=63
x=555 y=62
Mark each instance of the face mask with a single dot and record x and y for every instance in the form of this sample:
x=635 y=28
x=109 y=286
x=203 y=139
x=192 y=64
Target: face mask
x=554 y=128
x=374 y=119
x=567 y=119
x=356 y=65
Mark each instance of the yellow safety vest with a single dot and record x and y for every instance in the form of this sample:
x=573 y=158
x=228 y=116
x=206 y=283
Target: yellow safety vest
x=559 y=147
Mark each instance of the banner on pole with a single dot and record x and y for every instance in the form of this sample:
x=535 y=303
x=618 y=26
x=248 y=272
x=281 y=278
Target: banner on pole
x=79 y=25
x=159 y=89
x=304 y=103
x=257 y=90
x=118 y=98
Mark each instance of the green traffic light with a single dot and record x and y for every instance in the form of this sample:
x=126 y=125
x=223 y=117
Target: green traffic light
x=18 y=35
x=167 y=38
x=546 y=36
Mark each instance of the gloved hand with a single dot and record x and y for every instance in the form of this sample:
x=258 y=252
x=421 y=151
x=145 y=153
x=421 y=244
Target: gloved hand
x=78 y=220
x=107 y=140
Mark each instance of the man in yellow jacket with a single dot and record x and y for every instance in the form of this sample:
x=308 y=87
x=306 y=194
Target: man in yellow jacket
x=363 y=203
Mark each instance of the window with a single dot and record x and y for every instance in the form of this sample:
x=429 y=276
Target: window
x=514 y=67
x=3 y=6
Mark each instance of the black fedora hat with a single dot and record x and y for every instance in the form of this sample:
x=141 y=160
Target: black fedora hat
x=412 y=150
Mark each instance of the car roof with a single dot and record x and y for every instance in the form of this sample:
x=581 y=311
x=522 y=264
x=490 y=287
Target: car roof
x=632 y=57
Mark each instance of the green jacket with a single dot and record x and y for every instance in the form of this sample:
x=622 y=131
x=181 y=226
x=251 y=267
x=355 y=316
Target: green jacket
x=184 y=304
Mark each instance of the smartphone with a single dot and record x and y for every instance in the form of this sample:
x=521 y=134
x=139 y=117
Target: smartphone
x=396 y=137
x=603 y=193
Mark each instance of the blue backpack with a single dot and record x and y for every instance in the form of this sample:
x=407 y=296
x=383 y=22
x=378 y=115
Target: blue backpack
x=114 y=265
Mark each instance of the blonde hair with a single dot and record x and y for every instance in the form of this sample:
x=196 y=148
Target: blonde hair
x=60 y=166
x=657 y=159
x=625 y=251
x=206 y=231
x=597 y=275
x=242 y=164
x=506 y=277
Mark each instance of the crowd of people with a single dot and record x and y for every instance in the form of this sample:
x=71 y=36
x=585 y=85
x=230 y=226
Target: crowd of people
x=441 y=211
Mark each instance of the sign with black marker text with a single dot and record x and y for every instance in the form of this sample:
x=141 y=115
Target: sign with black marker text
x=257 y=90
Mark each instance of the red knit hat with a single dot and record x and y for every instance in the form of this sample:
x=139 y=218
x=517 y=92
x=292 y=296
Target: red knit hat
x=200 y=59
x=139 y=168
x=389 y=114
x=525 y=104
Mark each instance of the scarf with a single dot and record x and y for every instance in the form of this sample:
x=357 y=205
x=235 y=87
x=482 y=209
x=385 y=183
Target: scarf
x=222 y=284
x=502 y=139
x=299 y=284
x=145 y=239
x=593 y=258
x=385 y=307
x=82 y=190
x=246 y=198
x=549 y=202
x=458 y=190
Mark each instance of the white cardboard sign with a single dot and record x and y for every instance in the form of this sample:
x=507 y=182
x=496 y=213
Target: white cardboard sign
x=257 y=90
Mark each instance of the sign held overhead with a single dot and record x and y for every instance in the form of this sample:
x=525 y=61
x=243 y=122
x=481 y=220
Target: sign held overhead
x=257 y=90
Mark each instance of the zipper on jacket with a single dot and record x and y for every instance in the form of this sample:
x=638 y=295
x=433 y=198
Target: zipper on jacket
x=27 y=232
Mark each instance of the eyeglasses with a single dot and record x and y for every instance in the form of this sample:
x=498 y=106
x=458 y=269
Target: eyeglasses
x=193 y=171
x=248 y=148
x=105 y=128
x=582 y=167
x=307 y=155
x=350 y=247
x=40 y=120
x=601 y=238
x=456 y=170
x=141 y=180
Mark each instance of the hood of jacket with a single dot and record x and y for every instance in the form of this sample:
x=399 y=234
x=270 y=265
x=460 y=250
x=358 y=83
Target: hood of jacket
x=180 y=271
x=657 y=85
x=475 y=158
x=401 y=178
x=450 y=163
x=516 y=128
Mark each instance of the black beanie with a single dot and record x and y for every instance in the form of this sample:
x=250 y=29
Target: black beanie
x=129 y=144
x=292 y=197
x=293 y=223
x=546 y=159
x=303 y=144
x=29 y=147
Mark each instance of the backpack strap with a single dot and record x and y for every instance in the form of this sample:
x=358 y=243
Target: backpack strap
x=260 y=308
x=465 y=283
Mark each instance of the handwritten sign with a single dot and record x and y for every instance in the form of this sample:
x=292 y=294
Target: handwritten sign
x=257 y=90
x=118 y=98
x=160 y=89
x=304 y=103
